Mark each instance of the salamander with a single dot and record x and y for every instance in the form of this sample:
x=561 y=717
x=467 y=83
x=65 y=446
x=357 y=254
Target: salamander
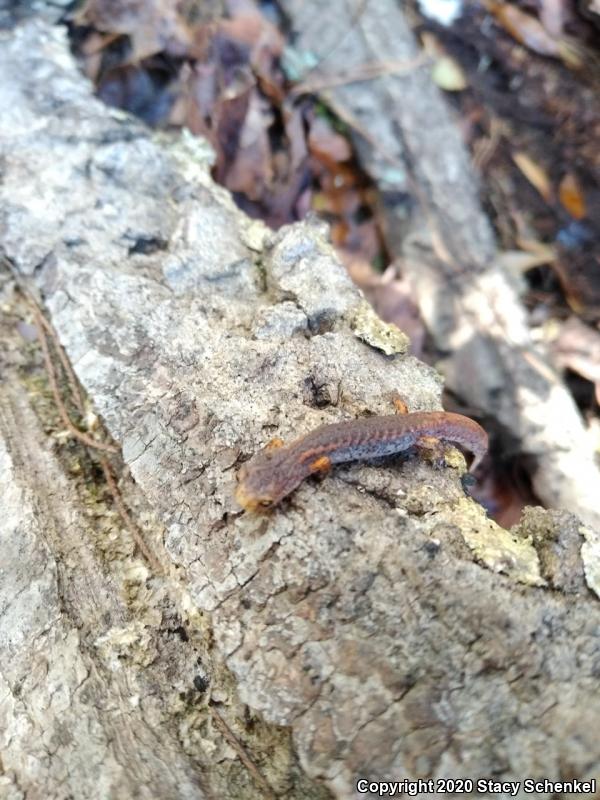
x=276 y=471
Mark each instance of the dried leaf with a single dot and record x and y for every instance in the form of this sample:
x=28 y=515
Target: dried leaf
x=571 y=197
x=534 y=35
x=263 y=40
x=524 y=28
x=251 y=169
x=259 y=45
x=535 y=174
x=293 y=121
x=448 y=75
x=153 y=26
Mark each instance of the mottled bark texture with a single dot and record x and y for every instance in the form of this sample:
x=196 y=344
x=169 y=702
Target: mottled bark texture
x=377 y=625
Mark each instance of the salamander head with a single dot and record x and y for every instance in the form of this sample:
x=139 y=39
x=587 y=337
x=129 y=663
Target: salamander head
x=260 y=485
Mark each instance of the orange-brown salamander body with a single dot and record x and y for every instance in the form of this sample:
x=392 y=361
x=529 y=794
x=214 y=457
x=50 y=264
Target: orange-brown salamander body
x=276 y=471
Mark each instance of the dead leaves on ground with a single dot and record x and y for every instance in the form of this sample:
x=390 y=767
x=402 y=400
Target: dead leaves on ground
x=544 y=35
x=187 y=64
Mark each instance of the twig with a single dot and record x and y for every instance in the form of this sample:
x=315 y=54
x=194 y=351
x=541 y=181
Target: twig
x=73 y=383
x=43 y=326
x=239 y=748
x=364 y=72
x=73 y=430
x=485 y=148
x=124 y=513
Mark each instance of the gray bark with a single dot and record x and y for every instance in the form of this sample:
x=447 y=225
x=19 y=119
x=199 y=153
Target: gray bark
x=377 y=625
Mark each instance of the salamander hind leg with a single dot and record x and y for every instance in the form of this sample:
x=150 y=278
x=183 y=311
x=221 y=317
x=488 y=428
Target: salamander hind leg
x=320 y=466
x=274 y=444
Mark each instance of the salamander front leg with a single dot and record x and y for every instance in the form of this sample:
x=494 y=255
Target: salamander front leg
x=399 y=403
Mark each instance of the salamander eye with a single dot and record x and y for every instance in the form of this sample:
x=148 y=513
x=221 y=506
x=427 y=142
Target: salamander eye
x=265 y=502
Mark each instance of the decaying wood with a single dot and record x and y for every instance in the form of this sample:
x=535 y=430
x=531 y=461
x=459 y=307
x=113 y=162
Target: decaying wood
x=444 y=245
x=377 y=625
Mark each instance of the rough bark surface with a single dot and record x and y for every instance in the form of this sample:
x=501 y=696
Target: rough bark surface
x=378 y=616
